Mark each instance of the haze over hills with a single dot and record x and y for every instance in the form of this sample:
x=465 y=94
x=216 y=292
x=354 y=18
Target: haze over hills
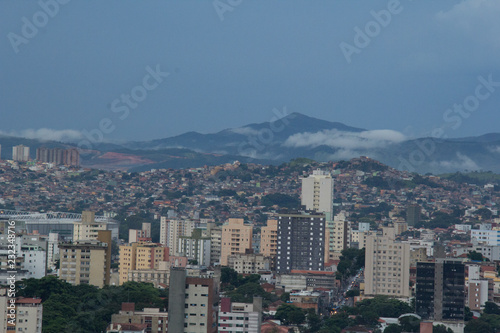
x=282 y=139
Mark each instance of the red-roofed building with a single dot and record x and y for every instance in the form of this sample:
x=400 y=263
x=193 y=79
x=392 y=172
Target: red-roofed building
x=29 y=312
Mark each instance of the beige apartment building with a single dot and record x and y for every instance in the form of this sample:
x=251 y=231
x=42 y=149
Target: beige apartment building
x=336 y=237
x=236 y=238
x=86 y=261
x=387 y=265
x=269 y=239
x=249 y=263
x=157 y=277
x=88 y=227
x=29 y=313
x=140 y=256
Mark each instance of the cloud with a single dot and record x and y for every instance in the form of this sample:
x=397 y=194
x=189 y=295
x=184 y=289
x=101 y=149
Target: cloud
x=495 y=149
x=47 y=134
x=462 y=163
x=248 y=131
x=345 y=140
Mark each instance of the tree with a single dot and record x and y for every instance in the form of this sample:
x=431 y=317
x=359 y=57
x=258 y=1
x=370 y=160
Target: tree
x=290 y=314
x=441 y=329
x=228 y=276
x=352 y=293
x=491 y=308
x=313 y=321
x=467 y=314
x=475 y=256
x=410 y=323
x=285 y=297
x=393 y=328
x=478 y=326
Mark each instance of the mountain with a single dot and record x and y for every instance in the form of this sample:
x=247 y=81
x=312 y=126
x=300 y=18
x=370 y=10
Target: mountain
x=235 y=140
x=286 y=138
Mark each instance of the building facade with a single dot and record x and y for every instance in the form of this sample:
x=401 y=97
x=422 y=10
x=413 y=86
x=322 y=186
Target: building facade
x=236 y=238
x=317 y=192
x=249 y=263
x=387 y=265
x=21 y=153
x=141 y=256
x=149 y=319
x=269 y=239
x=28 y=318
x=197 y=299
x=301 y=242
x=85 y=262
x=440 y=290
x=240 y=317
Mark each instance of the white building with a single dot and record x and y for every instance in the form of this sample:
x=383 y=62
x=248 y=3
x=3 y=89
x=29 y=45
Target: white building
x=172 y=229
x=21 y=153
x=195 y=247
x=240 y=317
x=34 y=260
x=317 y=192
x=52 y=250
x=488 y=237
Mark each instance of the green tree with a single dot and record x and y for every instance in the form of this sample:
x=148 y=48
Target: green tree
x=290 y=314
x=491 y=308
x=393 y=328
x=441 y=329
x=478 y=326
x=475 y=256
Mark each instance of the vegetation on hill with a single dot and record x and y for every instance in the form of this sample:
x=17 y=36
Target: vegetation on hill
x=475 y=177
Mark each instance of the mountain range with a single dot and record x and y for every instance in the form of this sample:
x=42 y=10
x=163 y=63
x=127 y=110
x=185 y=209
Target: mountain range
x=286 y=138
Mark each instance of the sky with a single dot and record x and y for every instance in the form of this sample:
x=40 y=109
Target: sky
x=141 y=70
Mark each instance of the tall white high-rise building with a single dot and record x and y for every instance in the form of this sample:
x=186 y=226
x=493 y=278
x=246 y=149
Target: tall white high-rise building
x=172 y=229
x=317 y=192
x=21 y=153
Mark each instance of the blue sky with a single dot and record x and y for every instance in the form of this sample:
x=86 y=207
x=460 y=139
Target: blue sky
x=229 y=72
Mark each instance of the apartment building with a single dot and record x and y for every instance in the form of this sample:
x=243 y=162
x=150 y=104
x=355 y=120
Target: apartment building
x=140 y=256
x=317 y=192
x=88 y=227
x=240 y=317
x=337 y=236
x=158 y=277
x=171 y=229
x=440 y=290
x=140 y=235
x=86 y=261
x=195 y=247
x=269 y=239
x=29 y=313
x=301 y=242
x=387 y=265
x=236 y=238
x=197 y=299
x=249 y=263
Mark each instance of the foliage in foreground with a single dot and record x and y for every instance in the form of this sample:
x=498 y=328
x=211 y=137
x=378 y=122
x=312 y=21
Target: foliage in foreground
x=85 y=308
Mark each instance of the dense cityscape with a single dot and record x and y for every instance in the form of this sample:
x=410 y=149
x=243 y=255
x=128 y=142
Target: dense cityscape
x=233 y=166
x=304 y=246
